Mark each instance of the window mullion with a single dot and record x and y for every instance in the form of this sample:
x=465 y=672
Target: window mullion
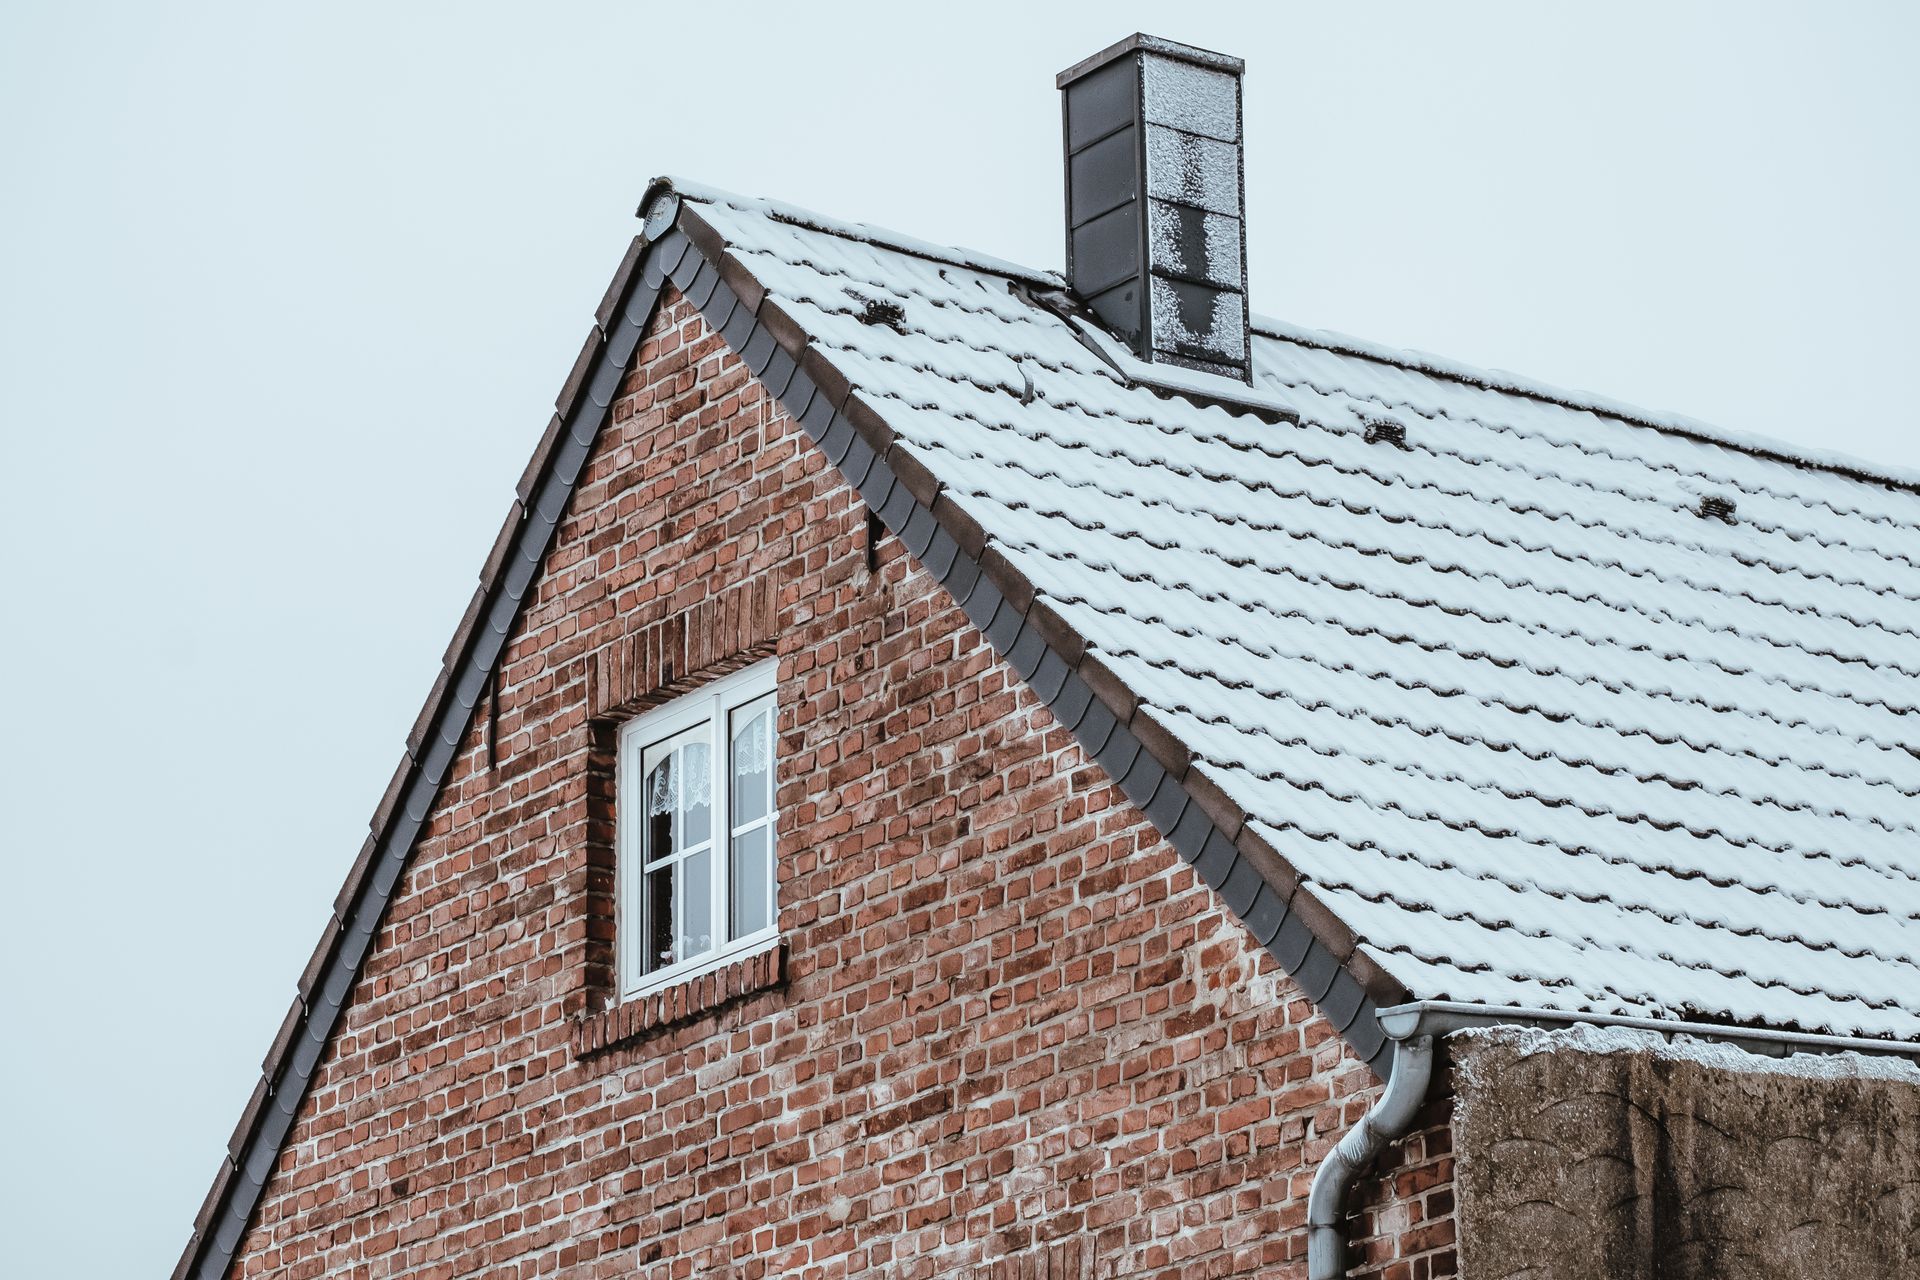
x=721 y=861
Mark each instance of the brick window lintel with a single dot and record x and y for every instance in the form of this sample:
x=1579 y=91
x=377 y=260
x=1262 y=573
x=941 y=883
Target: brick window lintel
x=709 y=638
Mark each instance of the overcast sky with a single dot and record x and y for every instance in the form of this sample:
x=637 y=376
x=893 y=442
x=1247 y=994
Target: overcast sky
x=286 y=292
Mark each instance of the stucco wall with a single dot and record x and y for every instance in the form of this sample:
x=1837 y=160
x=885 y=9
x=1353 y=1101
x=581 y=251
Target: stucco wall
x=1611 y=1154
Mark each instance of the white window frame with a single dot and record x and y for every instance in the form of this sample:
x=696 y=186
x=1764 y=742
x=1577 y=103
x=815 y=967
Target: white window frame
x=711 y=707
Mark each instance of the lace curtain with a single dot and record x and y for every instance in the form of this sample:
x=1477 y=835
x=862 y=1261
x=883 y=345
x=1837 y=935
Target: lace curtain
x=684 y=780
x=752 y=748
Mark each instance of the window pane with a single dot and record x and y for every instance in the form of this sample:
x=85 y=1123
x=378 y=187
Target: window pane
x=752 y=880
x=753 y=767
x=695 y=927
x=696 y=793
x=661 y=802
x=657 y=927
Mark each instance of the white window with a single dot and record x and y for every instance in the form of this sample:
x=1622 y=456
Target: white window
x=695 y=824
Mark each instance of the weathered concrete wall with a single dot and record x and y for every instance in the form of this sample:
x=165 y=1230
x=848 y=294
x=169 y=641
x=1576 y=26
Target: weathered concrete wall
x=1588 y=1154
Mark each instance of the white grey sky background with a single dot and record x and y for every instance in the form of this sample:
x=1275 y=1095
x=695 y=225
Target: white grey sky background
x=286 y=293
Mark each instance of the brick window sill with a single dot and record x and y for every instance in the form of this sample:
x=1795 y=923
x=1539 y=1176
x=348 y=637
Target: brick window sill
x=631 y=1020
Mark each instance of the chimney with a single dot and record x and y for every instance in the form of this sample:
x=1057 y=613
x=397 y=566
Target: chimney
x=1155 y=242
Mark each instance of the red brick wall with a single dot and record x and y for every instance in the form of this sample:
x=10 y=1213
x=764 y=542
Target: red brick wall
x=1013 y=1035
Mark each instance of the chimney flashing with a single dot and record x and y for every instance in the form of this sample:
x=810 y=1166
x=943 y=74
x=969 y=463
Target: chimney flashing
x=1209 y=389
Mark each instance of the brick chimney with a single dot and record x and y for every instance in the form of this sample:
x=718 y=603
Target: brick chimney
x=1155 y=242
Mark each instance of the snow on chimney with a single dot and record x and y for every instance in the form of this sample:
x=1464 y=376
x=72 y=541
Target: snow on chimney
x=1156 y=245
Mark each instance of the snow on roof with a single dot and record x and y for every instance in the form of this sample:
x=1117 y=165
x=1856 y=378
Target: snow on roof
x=1533 y=726
x=1500 y=380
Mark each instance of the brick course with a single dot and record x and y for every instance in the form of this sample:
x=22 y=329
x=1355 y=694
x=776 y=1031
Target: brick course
x=1013 y=1034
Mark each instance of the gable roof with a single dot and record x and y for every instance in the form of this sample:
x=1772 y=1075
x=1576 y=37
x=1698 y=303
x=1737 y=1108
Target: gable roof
x=1501 y=700
x=1440 y=678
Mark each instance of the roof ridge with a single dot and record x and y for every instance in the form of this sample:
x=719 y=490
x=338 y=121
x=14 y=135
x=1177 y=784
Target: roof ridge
x=1589 y=401
x=1326 y=339
x=865 y=233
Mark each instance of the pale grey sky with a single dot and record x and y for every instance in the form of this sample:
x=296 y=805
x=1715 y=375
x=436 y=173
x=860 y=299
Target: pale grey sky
x=285 y=294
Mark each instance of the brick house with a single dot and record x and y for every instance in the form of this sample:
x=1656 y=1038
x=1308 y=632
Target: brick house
x=953 y=769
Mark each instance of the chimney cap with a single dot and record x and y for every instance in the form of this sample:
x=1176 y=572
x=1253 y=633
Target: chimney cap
x=1150 y=44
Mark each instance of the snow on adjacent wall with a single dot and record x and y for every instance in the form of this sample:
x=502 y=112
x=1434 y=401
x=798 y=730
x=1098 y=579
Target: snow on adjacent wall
x=1642 y=1158
x=1586 y=1037
x=1537 y=730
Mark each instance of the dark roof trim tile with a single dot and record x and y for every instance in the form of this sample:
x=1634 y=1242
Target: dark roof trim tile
x=1051 y=676
x=1290 y=943
x=1266 y=914
x=622 y=277
x=914 y=474
x=211 y=1204
x=702 y=286
x=786 y=331
x=897 y=511
x=582 y=369
x=961 y=577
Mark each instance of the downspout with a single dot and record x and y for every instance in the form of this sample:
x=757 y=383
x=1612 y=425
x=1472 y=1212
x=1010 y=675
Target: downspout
x=1413 y=1028
x=1386 y=1120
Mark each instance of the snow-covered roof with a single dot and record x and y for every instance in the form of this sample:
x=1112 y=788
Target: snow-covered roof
x=1512 y=709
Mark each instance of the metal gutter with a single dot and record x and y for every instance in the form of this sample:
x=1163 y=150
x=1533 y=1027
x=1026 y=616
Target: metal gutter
x=1412 y=1030
x=1442 y=1017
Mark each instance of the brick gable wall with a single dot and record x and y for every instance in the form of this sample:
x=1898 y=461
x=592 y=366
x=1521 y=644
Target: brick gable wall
x=1009 y=1034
